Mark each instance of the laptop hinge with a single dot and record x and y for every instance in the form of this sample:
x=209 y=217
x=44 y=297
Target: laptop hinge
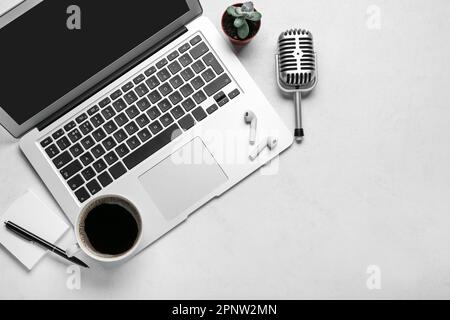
x=111 y=78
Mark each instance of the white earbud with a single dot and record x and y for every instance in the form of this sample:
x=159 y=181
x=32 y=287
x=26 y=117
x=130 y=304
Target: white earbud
x=270 y=143
x=250 y=118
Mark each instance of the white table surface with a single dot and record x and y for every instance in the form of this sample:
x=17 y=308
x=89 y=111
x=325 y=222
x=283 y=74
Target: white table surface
x=369 y=186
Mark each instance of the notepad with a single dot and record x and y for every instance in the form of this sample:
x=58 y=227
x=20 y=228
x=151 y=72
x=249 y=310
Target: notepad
x=32 y=214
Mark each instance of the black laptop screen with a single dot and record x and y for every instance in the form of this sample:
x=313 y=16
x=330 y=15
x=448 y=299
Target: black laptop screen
x=43 y=54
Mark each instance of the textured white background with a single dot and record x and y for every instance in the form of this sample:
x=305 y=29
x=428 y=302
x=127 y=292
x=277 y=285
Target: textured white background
x=370 y=185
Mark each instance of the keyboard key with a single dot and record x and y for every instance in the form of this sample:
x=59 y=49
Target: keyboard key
x=198 y=66
x=199 y=114
x=173 y=56
x=87 y=143
x=195 y=40
x=81 y=118
x=223 y=102
x=141 y=90
x=105 y=179
x=199 y=50
x=186 y=122
x=154 y=96
x=143 y=104
x=219 y=96
x=99 y=166
x=117 y=170
x=185 y=47
x=185 y=60
x=176 y=98
x=86 y=128
x=46 y=142
x=199 y=97
x=144 y=135
x=98 y=151
x=150 y=71
x=165 y=89
x=72 y=169
x=70 y=126
x=121 y=119
x=87 y=159
x=151 y=147
x=212 y=109
x=116 y=94
x=82 y=195
x=152 y=82
x=139 y=79
x=130 y=97
x=127 y=87
x=120 y=136
x=88 y=173
x=166 y=120
x=233 y=94
x=197 y=83
x=58 y=134
x=217 y=84
x=131 y=128
x=176 y=81
x=211 y=61
x=187 y=90
x=99 y=134
x=187 y=74
x=76 y=150
x=153 y=113
x=122 y=150
x=163 y=75
x=63 y=143
x=109 y=143
x=119 y=105
x=161 y=63
x=164 y=105
x=108 y=113
x=93 y=187
x=61 y=160
x=188 y=104
x=75 y=182
x=142 y=120
x=97 y=120
x=111 y=158
x=133 y=143
x=132 y=112
x=155 y=127
x=104 y=102
x=93 y=110
x=174 y=67
x=208 y=75
x=110 y=127
x=177 y=112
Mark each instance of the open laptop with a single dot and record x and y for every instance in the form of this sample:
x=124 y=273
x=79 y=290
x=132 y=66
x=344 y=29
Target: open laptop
x=130 y=98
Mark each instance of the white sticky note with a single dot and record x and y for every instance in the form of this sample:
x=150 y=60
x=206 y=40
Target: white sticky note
x=30 y=213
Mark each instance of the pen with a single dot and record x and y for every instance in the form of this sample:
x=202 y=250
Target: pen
x=27 y=235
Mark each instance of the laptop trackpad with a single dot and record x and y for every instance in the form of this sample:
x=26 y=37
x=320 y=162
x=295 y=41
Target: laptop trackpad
x=182 y=179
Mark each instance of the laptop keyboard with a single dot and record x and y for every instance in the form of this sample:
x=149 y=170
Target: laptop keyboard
x=139 y=118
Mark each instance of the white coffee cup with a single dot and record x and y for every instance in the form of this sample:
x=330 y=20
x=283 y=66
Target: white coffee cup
x=84 y=242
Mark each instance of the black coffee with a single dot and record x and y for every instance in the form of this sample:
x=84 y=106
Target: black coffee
x=111 y=229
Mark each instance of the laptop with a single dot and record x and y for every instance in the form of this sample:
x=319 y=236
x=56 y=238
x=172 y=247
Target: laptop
x=133 y=99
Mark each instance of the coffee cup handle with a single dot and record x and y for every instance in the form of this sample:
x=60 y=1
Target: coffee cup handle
x=73 y=250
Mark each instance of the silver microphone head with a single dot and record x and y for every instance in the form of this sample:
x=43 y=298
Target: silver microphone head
x=296 y=60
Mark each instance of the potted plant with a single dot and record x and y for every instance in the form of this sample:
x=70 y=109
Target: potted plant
x=241 y=22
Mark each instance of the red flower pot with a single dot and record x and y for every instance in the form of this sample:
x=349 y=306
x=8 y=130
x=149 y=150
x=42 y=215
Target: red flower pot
x=227 y=23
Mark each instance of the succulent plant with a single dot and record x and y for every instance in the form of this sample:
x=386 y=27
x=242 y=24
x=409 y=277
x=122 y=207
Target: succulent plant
x=242 y=14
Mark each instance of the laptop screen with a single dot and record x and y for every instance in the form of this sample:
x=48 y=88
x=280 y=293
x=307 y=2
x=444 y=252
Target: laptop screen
x=53 y=48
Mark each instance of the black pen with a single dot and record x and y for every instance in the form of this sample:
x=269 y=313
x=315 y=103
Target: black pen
x=27 y=235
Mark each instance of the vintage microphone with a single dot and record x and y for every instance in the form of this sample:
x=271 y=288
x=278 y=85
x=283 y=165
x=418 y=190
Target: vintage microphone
x=296 y=69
